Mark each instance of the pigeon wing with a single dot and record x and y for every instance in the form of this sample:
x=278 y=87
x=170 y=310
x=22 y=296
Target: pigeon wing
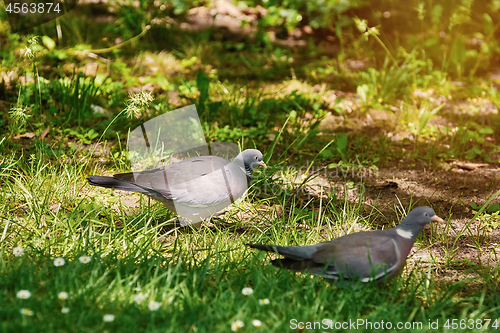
x=366 y=255
x=163 y=180
x=224 y=184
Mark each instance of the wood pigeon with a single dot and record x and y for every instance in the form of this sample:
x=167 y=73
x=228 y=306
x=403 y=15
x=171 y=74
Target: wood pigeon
x=367 y=256
x=196 y=188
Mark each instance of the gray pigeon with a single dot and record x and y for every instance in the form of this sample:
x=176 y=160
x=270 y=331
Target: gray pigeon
x=367 y=256
x=196 y=188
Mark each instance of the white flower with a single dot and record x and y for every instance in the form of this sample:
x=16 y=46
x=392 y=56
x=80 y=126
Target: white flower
x=247 y=291
x=28 y=53
x=108 y=318
x=26 y=312
x=63 y=295
x=24 y=294
x=237 y=325
x=153 y=306
x=256 y=323
x=18 y=251
x=65 y=310
x=59 y=262
x=264 y=301
x=139 y=298
x=85 y=259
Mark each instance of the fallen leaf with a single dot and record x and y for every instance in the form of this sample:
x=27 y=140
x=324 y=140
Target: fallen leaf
x=29 y=135
x=44 y=133
x=471 y=166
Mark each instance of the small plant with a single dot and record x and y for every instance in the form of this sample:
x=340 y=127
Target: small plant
x=489 y=220
x=425 y=116
x=474 y=135
x=83 y=136
x=137 y=104
x=387 y=85
x=18 y=115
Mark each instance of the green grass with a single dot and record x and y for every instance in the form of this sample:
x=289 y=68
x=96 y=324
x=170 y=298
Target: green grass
x=206 y=293
x=196 y=276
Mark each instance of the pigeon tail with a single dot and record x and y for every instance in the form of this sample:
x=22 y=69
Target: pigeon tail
x=292 y=252
x=117 y=184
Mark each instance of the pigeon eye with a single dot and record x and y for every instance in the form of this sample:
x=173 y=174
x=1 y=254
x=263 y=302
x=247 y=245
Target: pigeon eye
x=256 y=157
x=426 y=214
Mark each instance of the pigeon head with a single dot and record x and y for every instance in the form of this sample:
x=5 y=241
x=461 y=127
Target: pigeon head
x=249 y=159
x=415 y=221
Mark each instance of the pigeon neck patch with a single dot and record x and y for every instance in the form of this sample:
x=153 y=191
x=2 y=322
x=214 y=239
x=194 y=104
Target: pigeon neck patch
x=404 y=233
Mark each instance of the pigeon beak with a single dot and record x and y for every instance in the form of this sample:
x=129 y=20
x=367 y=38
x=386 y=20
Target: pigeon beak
x=263 y=164
x=437 y=219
